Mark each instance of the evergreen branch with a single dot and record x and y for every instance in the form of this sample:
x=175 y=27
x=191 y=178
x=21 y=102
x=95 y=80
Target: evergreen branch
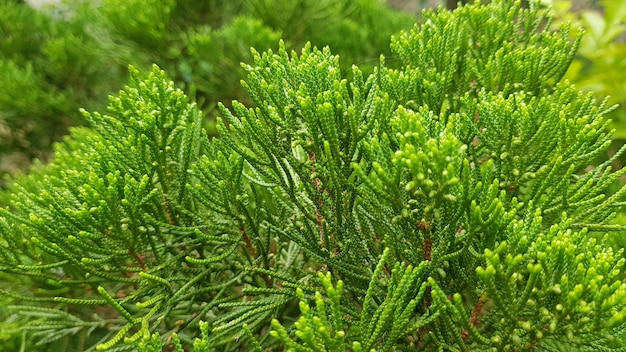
x=123 y=312
x=445 y=202
x=117 y=338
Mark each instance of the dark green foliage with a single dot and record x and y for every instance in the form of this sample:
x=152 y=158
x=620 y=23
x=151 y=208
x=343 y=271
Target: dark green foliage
x=438 y=205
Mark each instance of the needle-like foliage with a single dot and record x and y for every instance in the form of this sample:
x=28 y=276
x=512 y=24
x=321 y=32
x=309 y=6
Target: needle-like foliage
x=452 y=204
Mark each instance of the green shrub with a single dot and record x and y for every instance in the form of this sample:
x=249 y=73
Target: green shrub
x=452 y=203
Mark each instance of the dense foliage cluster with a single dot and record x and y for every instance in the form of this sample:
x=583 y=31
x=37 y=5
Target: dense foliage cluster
x=453 y=203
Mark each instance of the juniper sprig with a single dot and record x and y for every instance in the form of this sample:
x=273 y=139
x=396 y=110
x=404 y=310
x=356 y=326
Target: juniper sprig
x=454 y=203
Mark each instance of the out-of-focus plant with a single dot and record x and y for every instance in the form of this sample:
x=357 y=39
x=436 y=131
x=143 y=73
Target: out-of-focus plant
x=48 y=68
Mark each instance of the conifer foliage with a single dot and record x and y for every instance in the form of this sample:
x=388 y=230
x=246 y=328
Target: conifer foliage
x=451 y=204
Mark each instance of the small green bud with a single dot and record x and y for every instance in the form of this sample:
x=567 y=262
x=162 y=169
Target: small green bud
x=533 y=268
x=552 y=326
x=516 y=339
x=486 y=274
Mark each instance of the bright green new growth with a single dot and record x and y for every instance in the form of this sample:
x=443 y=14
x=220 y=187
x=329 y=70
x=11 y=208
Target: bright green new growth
x=452 y=204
